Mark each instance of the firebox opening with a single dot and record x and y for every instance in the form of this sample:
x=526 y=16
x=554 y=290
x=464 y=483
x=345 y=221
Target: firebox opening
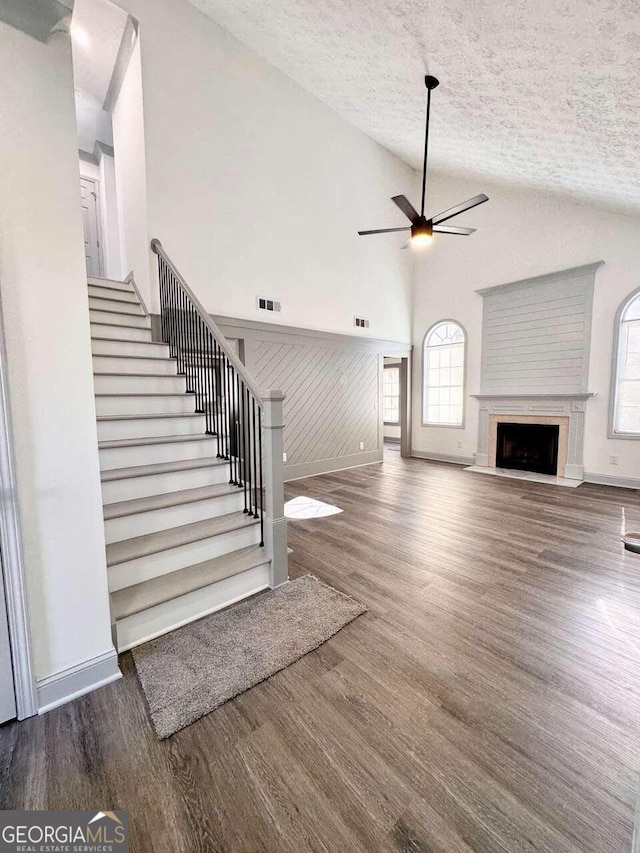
x=528 y=447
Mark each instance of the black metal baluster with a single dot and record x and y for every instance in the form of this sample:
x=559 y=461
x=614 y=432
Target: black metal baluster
x=239 y=433
x=243 y=432
x=255 y=470
x=225 y=411
x=234 y=442
x=215 y=391
x=208 y=356
x=260 y=493
x=174 y=320
x=163 y=307
x=229 y=420
x=247 y=458
x=180 y=353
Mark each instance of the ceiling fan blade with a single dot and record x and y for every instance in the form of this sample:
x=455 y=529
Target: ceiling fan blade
x=406 y=207
x=459 y=208
x=452 y=229
x=382 y=231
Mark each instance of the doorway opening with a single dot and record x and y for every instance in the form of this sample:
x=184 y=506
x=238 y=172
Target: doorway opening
x=395 y=416
x=108 y=101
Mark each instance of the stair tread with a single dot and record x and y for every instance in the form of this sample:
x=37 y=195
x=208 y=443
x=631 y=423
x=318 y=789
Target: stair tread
x=137 y=357
x=190 y=394
x=96 y=279
x=161 y=468
x=156 y=439
x=174 y=537
x=127 y=340
x=124 y=313
x=117 y=325
x=129 y=600
x=114 y=293
x=150 y=417
x=162 y=501
x=154 y=375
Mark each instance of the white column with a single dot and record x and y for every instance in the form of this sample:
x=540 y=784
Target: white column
x=275 y=524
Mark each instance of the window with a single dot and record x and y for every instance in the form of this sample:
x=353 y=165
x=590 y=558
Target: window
x=391 y=395
x=626 y=391
x=443 y=376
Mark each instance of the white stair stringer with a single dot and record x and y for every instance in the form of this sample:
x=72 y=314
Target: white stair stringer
x=179 y=541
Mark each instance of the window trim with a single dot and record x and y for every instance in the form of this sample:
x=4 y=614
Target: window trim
x=423 y=383
x=613 y=388
x=393 y=367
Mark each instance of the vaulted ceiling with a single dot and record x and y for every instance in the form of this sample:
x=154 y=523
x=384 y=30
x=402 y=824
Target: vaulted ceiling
x=543 y=94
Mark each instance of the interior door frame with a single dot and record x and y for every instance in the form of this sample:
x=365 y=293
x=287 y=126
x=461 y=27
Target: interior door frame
x=99 y=229
x=12 y=554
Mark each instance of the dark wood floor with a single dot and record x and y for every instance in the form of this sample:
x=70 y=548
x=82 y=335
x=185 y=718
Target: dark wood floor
x=488 y=701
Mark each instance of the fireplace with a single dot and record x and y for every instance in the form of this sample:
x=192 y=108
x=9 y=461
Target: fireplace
x=528 y=447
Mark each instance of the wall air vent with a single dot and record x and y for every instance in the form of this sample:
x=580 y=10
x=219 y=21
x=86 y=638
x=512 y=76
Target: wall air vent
x=361 y=323
x=265 y=304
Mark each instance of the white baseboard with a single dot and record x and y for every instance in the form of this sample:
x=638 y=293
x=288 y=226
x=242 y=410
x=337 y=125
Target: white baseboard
x=327 y=466
x=612 y=480
x=443 y=457
x=68 y=684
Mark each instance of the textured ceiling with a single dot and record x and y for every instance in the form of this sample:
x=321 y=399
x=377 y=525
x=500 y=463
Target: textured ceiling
x=95 y=52
x=543 y=94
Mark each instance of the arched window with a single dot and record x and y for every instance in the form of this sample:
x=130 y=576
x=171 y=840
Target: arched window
x=443 y=375
x=626 y=377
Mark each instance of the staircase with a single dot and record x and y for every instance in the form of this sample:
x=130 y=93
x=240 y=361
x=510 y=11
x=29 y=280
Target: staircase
x=181 y=459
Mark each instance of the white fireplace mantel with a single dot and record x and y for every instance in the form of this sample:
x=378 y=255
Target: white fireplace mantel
x=566 y=408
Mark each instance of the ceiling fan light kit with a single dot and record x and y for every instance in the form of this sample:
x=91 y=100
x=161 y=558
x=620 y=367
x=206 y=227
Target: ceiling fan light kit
x=421 y=228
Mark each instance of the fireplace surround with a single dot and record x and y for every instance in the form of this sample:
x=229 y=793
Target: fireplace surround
x=566 y=411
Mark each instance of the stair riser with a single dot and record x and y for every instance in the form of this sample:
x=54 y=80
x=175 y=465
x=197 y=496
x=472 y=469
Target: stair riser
x=141 y=322
x=139 y=384
x=150 y=427
x=133 y=364
x=141 y=405
x=116 y=305
x=161 y=484
x=130 y=348
x=158 y=620
x=145 y=568
x=120 y=332
x=120 y=295
x=152 y=454
x=118 y=529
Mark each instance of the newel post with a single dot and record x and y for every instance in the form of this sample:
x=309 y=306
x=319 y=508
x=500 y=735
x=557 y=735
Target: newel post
x=275 y=524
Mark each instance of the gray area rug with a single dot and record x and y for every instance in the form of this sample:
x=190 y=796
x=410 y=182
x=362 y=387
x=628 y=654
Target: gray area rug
x=188 y=673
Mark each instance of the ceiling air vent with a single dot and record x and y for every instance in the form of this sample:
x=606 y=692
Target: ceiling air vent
x=265 y=304
x=361 y=323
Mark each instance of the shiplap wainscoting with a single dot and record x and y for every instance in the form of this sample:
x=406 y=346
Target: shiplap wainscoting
x=333 y=387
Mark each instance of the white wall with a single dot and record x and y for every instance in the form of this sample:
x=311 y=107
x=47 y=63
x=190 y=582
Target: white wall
x=110 y=225
x=46 y=320
x=522 y=234
x=255 y=187
x=131 y=176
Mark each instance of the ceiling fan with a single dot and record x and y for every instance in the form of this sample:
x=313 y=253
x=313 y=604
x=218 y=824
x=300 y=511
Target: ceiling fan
x=422 y=228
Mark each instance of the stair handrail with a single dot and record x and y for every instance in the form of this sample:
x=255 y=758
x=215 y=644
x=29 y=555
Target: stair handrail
x=247 y=422
x=158 y=248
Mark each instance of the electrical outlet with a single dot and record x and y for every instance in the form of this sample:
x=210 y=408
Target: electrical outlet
x=613 y=460
x=362 y=445
x=284 y=457
x=459 y=445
